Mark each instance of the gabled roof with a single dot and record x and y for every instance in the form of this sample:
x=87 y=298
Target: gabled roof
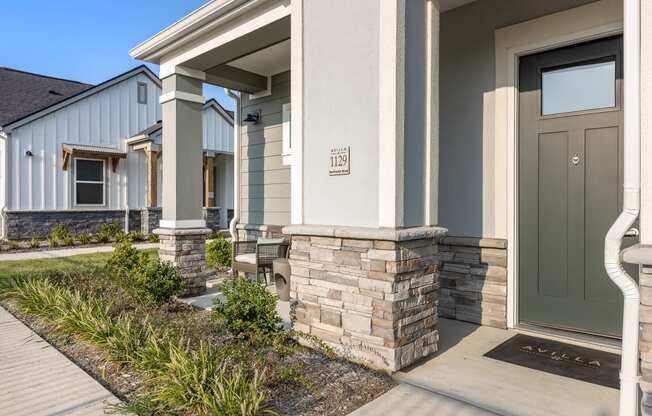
x=227 y=114
x=88 y=91
x=22 y=93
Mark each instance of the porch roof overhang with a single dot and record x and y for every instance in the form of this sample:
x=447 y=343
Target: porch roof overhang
x=83 y=150
x=209 y=43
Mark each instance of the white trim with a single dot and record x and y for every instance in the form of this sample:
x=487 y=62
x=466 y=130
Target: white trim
x=296 y=127
x=595 y=20
x=264 y=93
x=167 y=71
x=432 y=113
x=182 y=224
x=93 y=90
x=391 y=113
x=182 y=95
x=103 y=182
x=287 y=134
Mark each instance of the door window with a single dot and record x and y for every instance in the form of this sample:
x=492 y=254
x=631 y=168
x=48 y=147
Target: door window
x=579 y=87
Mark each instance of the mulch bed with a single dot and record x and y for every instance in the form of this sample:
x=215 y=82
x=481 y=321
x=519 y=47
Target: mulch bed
x=339 y=385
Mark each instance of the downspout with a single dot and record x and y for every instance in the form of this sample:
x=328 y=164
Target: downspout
x=236 y=164
x=126 y=201
x=629 y=374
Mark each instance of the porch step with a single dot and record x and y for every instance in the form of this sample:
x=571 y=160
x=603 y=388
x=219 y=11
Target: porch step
x=412 y=400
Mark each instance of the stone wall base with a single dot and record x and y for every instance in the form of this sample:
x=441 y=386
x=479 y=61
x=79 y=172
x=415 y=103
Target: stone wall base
x=248 y=232
x=474 y=280
x=186 y=250
x=371 y=295
x=22 y=225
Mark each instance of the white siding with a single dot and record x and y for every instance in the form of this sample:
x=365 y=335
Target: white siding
x=105 y=119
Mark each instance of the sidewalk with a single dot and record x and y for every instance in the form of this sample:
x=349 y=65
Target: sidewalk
x=66 y=252
x=36 y=379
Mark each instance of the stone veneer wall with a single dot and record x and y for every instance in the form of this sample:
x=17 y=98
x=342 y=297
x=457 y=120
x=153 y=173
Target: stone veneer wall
x=249 y=232
x=372 y=300
x=186 y=250
x=212 y=217
x=37 y=224
x=645 y=341
x=474 y=280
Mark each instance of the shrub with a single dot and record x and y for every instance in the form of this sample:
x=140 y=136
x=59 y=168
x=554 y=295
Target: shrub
x=68 y=241
x=218 y=253
x=135 y=236
x=34 y=243
x=248 y=308
x=153 y=238
x=156 y=281
x=102 y=238
x=110 y=231
x=126 y=258
x=84 y=238
x=53 y=242
x=59 y=232
x=13 y=244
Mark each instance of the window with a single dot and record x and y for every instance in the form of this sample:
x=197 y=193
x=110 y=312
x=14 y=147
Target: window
x=89 y=182
x=585 y=86
x=142 y=93
x=287 y=135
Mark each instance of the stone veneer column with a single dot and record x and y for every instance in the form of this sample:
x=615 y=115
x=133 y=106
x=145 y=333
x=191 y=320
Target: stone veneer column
x=645 y=341
x=182 y=227
x=371 y=294
x=186 y=250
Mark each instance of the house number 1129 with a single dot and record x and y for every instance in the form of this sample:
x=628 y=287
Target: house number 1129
x=340 y=161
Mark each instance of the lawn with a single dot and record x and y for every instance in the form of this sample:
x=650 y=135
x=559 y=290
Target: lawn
x=8 y=268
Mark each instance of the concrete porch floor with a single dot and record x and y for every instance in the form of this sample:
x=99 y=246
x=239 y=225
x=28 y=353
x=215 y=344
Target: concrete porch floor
x=459 y=371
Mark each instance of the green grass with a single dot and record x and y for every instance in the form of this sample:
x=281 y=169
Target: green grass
x=8 y=268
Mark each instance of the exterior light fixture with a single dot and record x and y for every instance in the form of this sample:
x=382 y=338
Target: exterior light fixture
x=252 y=118
x=29 y=153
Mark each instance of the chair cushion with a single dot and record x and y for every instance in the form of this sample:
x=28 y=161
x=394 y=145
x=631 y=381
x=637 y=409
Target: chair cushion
x=249 y=258
x=271 y=240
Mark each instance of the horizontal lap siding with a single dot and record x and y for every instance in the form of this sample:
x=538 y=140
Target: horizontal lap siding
x=264 y=179
x=103 y=119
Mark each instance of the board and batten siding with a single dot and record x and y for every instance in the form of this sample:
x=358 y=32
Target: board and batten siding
x=39 y=182
x=105 y=118
x=264 y=179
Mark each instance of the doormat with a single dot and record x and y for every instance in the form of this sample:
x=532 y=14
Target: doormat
x=566 y=360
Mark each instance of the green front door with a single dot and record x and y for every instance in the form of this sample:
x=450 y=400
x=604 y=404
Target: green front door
x=570 y=185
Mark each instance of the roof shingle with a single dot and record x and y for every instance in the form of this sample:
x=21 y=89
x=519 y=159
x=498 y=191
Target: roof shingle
x=22 y=93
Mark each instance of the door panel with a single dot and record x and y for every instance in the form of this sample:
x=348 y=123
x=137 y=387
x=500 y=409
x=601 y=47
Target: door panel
x=570 y=185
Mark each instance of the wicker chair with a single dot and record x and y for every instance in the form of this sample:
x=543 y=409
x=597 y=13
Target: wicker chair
x=257 y=256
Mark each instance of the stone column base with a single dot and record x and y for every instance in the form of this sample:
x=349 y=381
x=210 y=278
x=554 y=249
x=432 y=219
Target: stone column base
x=371 y=294
x=186 y=250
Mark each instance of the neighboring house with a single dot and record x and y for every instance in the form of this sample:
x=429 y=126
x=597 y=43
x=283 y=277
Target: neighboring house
x=84 y=155
x=508 y=126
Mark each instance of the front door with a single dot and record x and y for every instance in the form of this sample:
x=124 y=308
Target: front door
x=570 y=185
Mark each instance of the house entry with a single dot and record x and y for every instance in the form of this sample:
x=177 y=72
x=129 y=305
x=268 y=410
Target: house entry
x=570 y=175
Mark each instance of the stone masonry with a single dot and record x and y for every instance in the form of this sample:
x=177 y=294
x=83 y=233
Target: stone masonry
x=186 y=250
x=474 y=280
x=247 y=232
x=371 y=295
x=645 y=342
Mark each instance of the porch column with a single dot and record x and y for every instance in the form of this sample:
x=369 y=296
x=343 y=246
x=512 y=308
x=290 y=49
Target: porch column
x=151 y=178
x=182 y=228
x=367 y=284
x=209 y=181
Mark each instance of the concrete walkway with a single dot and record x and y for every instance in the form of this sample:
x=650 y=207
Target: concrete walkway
x=36 y=379
x=66 y=252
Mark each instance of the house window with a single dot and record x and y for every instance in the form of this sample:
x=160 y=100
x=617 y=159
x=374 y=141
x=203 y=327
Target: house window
x=579 y=87
x=287 y=134
x=142 y=93
x=89 y=182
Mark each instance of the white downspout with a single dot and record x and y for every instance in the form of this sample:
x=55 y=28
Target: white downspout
x=629 y=375
x=5 y=185
x=236 y=164
x=126 y=199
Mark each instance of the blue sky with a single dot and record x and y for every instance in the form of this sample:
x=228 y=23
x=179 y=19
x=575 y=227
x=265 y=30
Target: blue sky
x=86 y=41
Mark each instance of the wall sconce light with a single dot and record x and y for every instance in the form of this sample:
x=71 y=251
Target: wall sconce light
x=252 y=118
x=29 y=153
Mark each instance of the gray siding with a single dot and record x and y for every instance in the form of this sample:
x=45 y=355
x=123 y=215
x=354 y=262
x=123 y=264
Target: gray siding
x=264 y=179
x=467 y=81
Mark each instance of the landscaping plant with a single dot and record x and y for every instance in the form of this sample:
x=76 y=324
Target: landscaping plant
x=109 y=232
x=218 y=253
x=68 y=241
x=126 y=258
x=136 y=236
x=248 y=308
x=59 y=232
x=84 y=238
x=156 y=281
x=34 y=243
x=13 y=244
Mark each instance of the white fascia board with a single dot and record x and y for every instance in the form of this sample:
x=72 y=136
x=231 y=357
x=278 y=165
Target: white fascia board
x=84 y=94
x=258 y=18
x=221 y=111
